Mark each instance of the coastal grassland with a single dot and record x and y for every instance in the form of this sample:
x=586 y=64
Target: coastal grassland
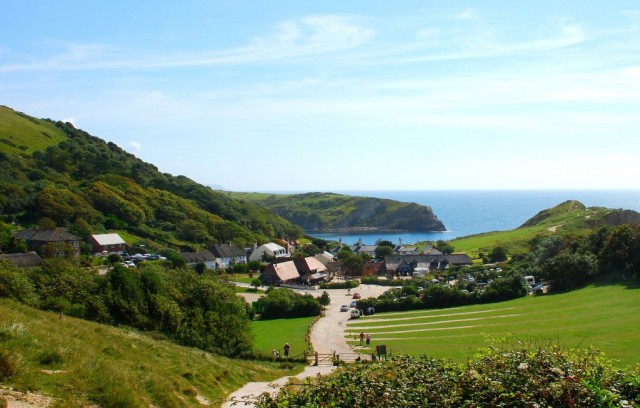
x=23 y=134
x=568 y=218
x=273 y=334
x=81 y=363
x=603 y=316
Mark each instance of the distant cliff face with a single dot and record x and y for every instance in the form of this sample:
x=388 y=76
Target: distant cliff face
x=328 y=211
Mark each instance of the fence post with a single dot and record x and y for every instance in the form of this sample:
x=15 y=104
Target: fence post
x=316 y=358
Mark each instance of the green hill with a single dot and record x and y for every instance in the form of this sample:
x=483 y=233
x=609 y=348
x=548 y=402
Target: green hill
x=568 y=218
x=329 y=211
x=51 y=172
x=81 y=363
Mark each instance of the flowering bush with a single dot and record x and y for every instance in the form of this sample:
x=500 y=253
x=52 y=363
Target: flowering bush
x=526 y=375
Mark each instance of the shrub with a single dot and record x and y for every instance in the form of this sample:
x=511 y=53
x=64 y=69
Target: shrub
x=51 y=357
x=523 y=375
x=349 y=284
x=10 y=364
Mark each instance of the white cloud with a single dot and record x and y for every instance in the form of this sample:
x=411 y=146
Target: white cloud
x=134 y=146
x=70 y=119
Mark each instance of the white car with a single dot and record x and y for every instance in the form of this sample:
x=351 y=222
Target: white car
x=355 y=313
x=344 y=308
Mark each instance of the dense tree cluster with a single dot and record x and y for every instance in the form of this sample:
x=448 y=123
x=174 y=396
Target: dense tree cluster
x=88 y=186
x=198 y=311
x=284 y=303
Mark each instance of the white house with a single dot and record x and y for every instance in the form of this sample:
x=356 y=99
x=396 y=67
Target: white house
x=271 y=249
x=227 y=254
x=194 y=258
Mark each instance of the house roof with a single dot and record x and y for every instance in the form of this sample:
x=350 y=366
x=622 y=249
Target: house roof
x=273 y=247
x=286 y=270
x=309 y=264
x=227 y=251
x=23 y=260
x=196 y=257
x=108 y=239
x=393 y=262
x=57 y=234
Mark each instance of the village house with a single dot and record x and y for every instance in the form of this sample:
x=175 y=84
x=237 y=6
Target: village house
x=107 y=243
x=228 y=255
x=26 y=260
x=278 y=273
x=406 y=265
x=194 y=258
x=50 y=242
x=270 y=250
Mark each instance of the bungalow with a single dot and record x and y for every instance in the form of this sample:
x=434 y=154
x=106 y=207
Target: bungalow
x=269 y=250
x=51 y=242
x=27 y=260
x=107 y=243
x=227 y=254
x=278 y=273
x=194 y=258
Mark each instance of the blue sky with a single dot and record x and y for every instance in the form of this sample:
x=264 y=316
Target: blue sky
x=342 y=95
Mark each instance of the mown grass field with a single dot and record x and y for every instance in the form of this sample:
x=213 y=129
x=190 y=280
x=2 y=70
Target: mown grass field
x=607 y=317
x=83 y=363
x=273 y=334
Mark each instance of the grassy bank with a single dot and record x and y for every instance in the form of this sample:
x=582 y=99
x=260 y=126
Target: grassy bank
x=605 y=317
x=81 y=362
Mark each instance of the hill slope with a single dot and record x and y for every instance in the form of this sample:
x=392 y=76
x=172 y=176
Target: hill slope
x=81 y=362
x=568 y=218
x=54 y=171
x=328 y=211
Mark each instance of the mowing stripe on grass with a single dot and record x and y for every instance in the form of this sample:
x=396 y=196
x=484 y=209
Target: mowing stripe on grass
x=471 y=319
x=366 y=322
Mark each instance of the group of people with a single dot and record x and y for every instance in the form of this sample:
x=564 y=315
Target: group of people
x=286 y=349
x=363 y=337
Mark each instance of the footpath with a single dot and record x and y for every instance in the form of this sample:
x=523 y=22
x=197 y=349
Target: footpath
x=327 y=337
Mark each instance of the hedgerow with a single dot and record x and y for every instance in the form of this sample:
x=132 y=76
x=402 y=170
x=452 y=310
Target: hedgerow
x=524 y=375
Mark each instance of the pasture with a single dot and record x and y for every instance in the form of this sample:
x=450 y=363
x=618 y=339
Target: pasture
x=273 y=334
x=607 y=317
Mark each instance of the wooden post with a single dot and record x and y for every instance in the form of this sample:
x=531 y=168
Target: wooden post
x=316 y=359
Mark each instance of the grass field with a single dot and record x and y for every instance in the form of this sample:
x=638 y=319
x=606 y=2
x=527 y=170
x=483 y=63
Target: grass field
x=273 y=334
x=35 y=134
x=607 y=317
x=84 y=363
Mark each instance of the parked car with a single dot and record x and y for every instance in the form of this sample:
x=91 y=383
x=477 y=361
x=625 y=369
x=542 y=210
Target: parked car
x=344 y=308
x=356 y=296
x=353 y=304
x=355 y=313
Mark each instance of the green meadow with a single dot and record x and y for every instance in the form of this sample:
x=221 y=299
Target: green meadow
x=84 y=363
x=607 y=317
x=273 y=334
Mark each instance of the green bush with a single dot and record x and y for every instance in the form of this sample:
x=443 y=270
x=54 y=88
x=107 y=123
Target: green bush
x=349 y=284
x=524 y=375
x=10 y=363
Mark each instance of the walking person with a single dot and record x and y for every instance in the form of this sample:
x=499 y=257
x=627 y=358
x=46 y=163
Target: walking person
x=286 y=349
x=368 y=338
x=361 y=338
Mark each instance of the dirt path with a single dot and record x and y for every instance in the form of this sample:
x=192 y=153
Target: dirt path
x=327 y=336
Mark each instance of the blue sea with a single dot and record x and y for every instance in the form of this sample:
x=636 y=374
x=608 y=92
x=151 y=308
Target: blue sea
x=474 y=211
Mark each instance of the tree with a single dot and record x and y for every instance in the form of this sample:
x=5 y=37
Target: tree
x=498 y=254
x=444 y=246
x=383 y=250
x=344 y=253
x=324 y=299
x=353 y=265
x=570 y=270
x=256 y=283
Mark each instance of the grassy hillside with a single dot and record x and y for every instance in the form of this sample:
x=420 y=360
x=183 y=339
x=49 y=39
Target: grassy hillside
x=568 y=218
x=329 y=211
x=605 y=317
x=80 y=362
x=54 y=172
x=22 y=134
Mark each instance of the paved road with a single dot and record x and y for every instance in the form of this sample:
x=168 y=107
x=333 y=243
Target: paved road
x=327 y=336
